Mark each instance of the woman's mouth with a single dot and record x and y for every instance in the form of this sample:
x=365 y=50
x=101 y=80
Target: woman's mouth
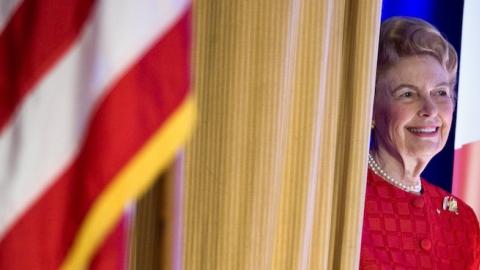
x=423 y=131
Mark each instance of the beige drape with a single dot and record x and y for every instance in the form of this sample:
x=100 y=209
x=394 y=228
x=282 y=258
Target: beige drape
x=274 y=175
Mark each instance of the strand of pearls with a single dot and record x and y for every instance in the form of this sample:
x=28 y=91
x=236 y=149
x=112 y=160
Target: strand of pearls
x=380 y=172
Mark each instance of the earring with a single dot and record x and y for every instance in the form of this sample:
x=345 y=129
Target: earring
x=373 y=125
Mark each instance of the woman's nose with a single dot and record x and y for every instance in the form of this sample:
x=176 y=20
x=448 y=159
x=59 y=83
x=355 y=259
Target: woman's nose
x=428 y=107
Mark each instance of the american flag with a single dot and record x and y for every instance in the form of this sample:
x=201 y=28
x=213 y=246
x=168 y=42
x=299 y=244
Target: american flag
x=93 y=105
x=466 y=171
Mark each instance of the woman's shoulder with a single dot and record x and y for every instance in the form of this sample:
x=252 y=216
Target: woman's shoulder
x=446 y=202
x=432 y=190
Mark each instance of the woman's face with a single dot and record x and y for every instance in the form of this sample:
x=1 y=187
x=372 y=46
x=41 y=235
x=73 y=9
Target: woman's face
x=413 y=107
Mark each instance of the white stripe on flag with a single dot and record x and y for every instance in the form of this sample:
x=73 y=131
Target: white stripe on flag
x=46 y=130
x=468 y=111
x=7 y=9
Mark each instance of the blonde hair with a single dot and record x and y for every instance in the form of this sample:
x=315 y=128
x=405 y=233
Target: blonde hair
x=405 y=36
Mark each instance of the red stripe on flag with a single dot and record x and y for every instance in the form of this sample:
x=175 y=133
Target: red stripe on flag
x=37 y=35
x=137 y=106
x=466 y=174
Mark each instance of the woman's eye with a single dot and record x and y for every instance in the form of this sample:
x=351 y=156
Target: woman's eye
x=406 y=94
x=442 y=93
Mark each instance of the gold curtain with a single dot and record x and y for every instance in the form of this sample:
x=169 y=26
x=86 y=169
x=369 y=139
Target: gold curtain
x=274 y=176
x=275 y=172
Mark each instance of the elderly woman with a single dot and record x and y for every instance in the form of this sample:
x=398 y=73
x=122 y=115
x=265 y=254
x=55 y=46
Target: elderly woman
x=408 y=222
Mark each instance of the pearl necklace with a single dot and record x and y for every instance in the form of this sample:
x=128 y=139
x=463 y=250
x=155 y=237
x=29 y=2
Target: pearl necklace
x=380 y=172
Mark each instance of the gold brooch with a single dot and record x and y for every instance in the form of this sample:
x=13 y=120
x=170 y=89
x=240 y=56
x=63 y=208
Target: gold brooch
x=450 y=204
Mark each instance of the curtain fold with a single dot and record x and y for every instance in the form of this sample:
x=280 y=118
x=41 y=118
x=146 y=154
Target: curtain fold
x=275 y=172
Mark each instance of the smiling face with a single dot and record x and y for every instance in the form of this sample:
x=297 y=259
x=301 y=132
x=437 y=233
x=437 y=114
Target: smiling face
x=413 y=108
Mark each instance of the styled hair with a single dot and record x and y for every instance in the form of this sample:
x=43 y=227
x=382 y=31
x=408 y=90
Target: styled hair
x=406 y=36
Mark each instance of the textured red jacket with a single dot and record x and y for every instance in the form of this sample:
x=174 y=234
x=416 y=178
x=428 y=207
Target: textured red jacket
x=407 y=231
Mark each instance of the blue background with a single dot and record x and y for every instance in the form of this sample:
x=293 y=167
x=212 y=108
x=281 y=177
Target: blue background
x=447 y=16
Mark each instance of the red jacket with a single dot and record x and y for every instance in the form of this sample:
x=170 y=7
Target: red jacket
x=402 y=230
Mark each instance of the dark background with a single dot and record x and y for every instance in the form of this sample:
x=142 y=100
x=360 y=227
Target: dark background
x=447 y=16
